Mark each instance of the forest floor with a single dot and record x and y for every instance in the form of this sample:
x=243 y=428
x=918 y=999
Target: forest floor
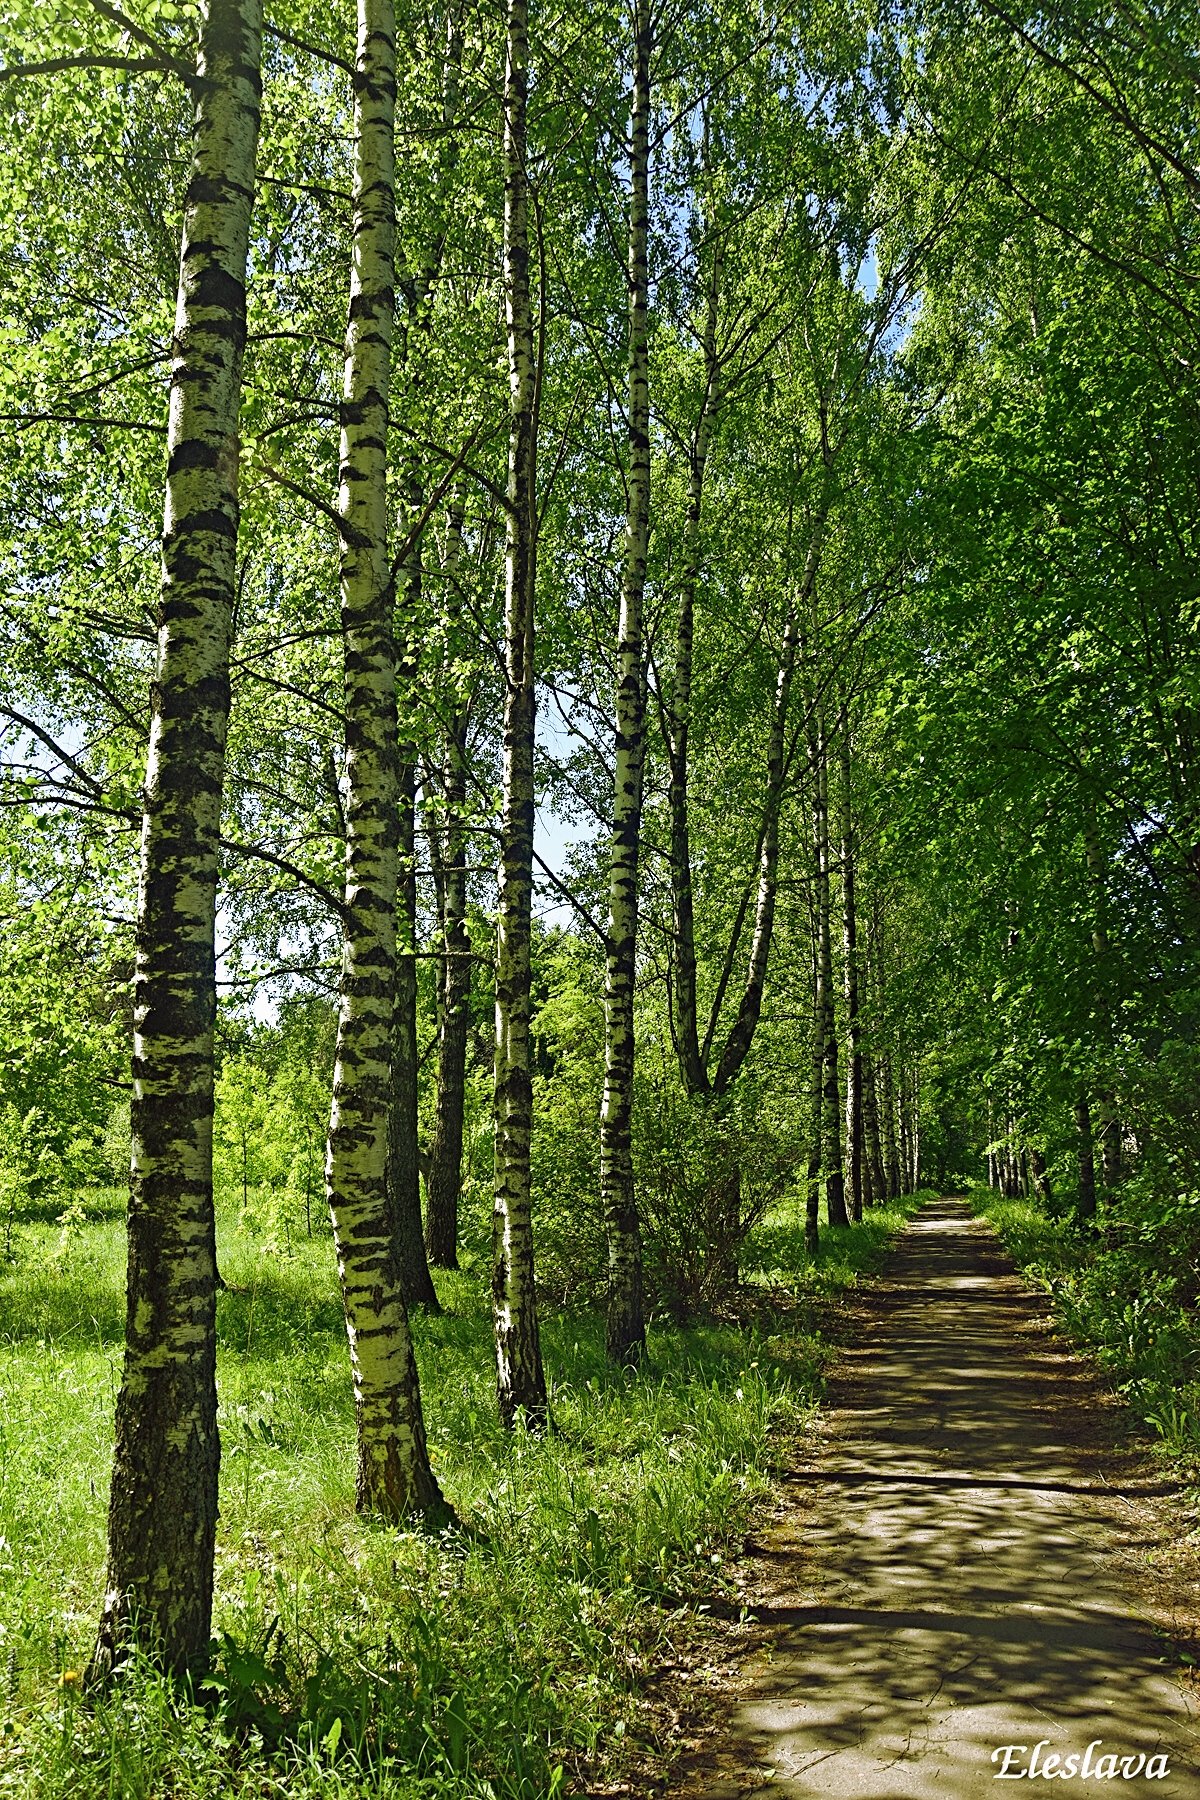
x=977 y=1551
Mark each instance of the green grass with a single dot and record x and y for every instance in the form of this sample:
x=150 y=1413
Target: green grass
x=503 y=1661
x=1124 y=1287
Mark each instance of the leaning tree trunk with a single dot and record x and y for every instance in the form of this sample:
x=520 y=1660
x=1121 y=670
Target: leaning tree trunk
x=521 y=1381
x=745 y=1022
x=163 y=1506
x=393 y=1476
x=677 y=734
x=625 y=1337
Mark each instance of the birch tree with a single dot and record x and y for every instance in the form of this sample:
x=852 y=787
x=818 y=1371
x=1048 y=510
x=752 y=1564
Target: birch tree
x=521 y=1382
x=163 y=1506
x=626 y=1330
x=393 y=1472
x=854 y=1163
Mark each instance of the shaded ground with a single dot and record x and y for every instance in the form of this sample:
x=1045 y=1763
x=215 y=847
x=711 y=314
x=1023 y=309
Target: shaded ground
x=958 y=1567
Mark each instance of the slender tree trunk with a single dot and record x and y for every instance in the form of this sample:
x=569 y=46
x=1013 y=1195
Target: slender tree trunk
x=626 y=1328
x=444 y=1181
x=394 y=1476
x=444 y=1185
x=741 y=1032
x=163 y=1505
x=692 y=1066
x=812 y=1196
x=872 y=1154
x=521 y=1382
x=831 y=1120
x=854 y=1060
x=915 y=1133
x=904 y=1119
x=1109 y=1133
x=891 y=1149
x=404 y=1153
x=404 y=1156
x=1087 y=1160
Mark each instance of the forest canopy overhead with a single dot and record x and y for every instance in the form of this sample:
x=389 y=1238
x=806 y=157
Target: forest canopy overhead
x=600 y=614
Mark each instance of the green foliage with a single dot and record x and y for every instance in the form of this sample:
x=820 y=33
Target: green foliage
x=1125 y=1287
x=568 y=1035
x=707 y=1172
x=272 y=1113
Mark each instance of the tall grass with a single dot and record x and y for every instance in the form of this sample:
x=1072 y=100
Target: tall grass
x=504 y=1659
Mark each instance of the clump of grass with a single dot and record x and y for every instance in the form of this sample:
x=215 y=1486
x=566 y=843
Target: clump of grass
x=504 y=1660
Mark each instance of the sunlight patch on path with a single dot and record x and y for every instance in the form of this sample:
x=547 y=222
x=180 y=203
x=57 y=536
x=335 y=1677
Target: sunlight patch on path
x=948 y=1560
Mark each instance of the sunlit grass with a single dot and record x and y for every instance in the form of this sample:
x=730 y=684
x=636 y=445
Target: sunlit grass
x=500 y=1654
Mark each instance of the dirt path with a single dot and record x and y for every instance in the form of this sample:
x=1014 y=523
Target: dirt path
x=952 y=1575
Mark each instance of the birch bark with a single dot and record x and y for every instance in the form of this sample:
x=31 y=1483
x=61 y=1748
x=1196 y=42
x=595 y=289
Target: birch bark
x=163 y=1505
x=831 y=1120
x=854 y=1076
x=393 y=1475
x=812 y=1196
x=404 y=1156
x=745 y=1023
x=520 y=1380
x=872 y=1089
x=874 y=1185
x=679 y=719
x=891 y=1148
x=626 y=1329
x=444 y=1180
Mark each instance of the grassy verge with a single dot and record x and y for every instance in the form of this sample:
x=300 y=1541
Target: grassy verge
x=1124 y=1287
x=501 y=1663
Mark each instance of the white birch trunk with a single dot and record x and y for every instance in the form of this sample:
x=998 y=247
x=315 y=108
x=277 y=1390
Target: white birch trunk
x=393 y=1474
x=692 y=1065
x=521 y=1383
x=626 y=1328
x=163 y=1505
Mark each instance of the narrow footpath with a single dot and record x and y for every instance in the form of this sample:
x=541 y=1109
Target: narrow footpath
x=946 y=1582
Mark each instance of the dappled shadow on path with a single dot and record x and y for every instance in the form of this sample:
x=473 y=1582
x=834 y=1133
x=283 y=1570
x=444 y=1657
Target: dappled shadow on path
x=948 y=1559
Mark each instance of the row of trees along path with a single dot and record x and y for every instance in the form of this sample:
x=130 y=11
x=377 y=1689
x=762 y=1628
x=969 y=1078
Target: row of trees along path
x=714 y=385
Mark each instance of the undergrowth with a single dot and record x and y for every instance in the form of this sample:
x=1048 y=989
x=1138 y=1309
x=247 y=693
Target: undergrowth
x=1124 y=1285
x=504 y=1660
